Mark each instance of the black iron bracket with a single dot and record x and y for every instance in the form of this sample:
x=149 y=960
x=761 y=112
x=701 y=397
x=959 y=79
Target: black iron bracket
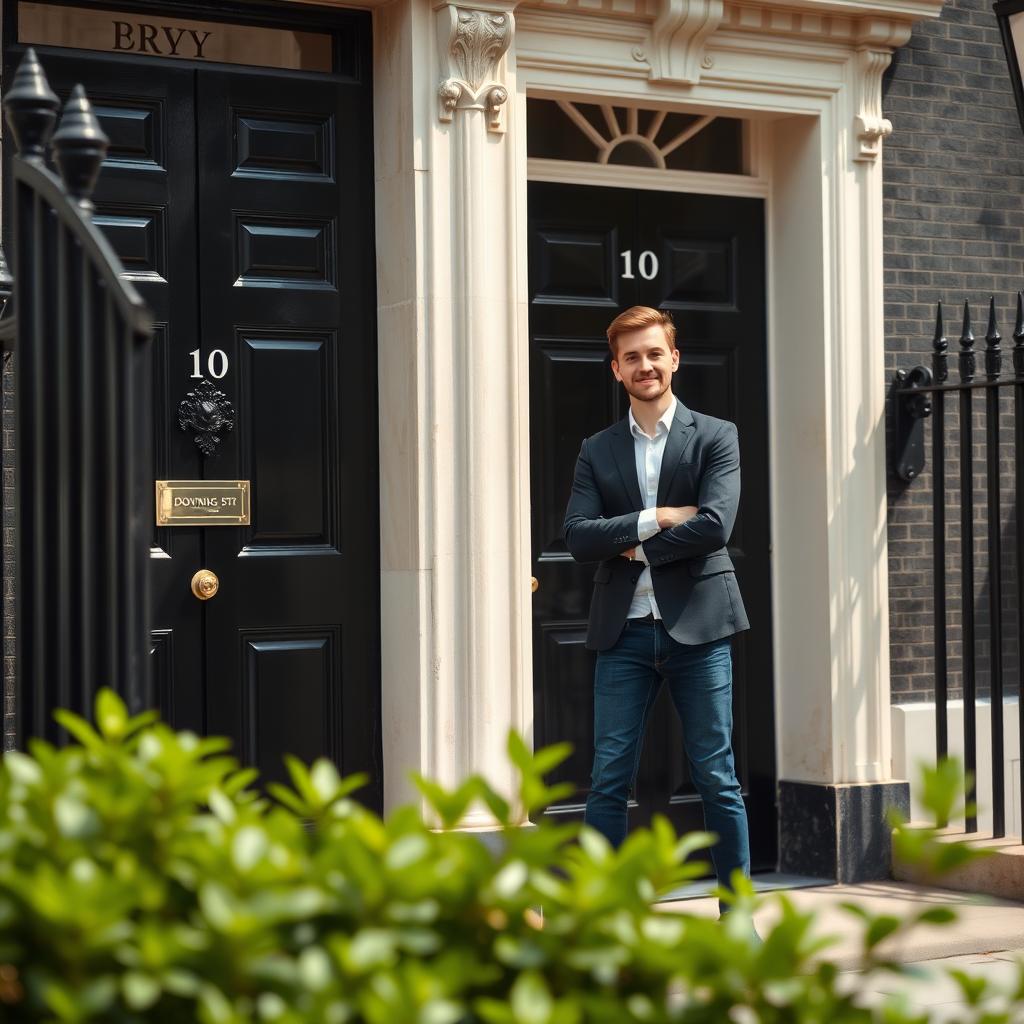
x=912 y=407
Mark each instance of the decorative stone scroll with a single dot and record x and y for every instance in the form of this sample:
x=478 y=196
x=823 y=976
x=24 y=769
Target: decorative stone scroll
x=868 y=124
x=472 y=43
x=678 y=36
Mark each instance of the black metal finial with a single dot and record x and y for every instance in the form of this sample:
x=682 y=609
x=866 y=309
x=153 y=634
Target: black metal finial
x=79 y=146
x=993 y=352
x=940 y=361
x=967 y=361
x=1018 y=337
x=31 y=108
x=6 y=283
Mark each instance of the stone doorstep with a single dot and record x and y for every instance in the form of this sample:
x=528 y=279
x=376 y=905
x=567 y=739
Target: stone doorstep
x=984 y=925
x=1000 y=874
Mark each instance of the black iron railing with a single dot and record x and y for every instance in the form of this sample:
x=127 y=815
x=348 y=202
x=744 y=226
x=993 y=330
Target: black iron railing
x=79 y=341
x=923 y=394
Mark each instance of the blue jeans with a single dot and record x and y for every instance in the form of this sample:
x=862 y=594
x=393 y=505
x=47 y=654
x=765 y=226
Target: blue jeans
x=699 y=679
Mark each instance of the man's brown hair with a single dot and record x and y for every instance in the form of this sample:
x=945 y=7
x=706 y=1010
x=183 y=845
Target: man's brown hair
x=636 y=318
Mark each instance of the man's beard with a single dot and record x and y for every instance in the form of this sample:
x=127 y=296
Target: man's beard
x=642 y=395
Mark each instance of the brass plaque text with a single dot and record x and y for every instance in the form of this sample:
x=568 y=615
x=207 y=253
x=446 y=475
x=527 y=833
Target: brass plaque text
x=202 y=503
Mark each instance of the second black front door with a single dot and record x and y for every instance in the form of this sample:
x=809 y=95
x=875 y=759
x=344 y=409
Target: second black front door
x=592 y=253
x=240 y=202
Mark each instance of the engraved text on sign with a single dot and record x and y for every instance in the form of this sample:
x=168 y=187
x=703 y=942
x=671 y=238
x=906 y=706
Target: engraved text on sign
x=159 y=36
x=202 y=503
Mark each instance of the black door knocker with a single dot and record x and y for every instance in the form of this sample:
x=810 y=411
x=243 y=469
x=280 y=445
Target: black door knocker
x=206 y=411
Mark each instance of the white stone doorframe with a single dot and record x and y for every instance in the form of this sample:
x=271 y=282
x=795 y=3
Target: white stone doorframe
x=451 y=170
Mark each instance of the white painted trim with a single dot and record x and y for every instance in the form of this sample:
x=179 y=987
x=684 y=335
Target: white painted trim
x=913 y=744
x=823 y=234
x=801 y=83
x=649 y=178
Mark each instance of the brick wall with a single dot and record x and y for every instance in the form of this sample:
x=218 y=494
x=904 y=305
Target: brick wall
x=954 y=229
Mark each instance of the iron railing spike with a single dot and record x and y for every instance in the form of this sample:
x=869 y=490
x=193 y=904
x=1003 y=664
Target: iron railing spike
x=79 y=147
x=940 y=345
x=31 y=108
x=993 y=351
x=967 y=334
x=992 y=330
x=967 y=360
x=939 y=339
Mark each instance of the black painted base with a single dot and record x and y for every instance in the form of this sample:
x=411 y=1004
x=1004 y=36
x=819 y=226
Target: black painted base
x=839 y=832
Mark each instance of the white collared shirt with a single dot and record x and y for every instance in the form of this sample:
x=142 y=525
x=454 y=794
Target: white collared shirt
x=649 y=452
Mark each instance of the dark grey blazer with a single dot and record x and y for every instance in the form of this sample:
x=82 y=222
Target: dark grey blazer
x=693 y=575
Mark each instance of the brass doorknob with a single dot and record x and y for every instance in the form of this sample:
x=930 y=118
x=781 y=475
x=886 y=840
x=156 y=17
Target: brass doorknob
x=534 y=584
x=205 y=584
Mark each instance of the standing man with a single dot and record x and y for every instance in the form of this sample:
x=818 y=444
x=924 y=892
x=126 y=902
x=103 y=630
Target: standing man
x=654 y=500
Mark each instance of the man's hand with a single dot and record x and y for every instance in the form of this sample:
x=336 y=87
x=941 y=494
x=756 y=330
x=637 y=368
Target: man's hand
x=674 y=515
x=629 y=553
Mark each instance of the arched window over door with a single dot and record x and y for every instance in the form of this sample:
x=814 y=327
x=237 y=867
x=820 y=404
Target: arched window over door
x=634 y=136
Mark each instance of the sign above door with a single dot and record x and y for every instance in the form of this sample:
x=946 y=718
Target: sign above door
x=184 y=39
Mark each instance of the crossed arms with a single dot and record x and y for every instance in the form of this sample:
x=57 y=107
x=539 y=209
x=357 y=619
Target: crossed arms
x=683 y=531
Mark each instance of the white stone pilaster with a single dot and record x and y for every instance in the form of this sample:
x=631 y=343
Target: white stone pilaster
x=457 y=676
x=829 y=395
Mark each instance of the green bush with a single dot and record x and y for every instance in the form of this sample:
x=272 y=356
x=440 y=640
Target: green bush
x=143 y=879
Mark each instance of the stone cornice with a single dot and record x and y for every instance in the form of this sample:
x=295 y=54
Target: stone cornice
x=878 y=22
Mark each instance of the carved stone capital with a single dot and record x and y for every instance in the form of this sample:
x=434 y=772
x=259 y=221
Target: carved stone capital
x=678 y=36
x=472 y=43
x=869 y=126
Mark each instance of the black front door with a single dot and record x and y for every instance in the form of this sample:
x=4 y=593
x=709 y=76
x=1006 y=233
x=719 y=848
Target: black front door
x=592 y=253
x=240 y=202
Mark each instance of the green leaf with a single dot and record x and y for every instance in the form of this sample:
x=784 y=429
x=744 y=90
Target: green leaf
x=937 y=915
x=288 y=798
x=509 y=881
x=315 y=968
x=140 y=990
x=595 y=845
x=442 y=1011
x=223 y=807
x=79 y=728
x=881 y=928
x=941 y=786
x=530 y=999
x=22 y=768
x=111 y=715
x=325 y=780
x=519 y=754
x=406 y=851
x=495 y=803
x=449 y=806
x=548 y=758
x=142 y=720
x=973 y=987
x=249 y=847
x=75 y=819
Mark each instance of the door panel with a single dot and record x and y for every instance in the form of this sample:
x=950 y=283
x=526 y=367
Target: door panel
x=290 y=444
x=712 y=281
x=704 y=262
x=287 y=295
x=574 y=291
x=289 y=693
x=145 y=205
x=226 y=196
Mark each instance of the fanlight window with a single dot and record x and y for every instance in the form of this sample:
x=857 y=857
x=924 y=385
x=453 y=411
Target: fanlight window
x=607 y=134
